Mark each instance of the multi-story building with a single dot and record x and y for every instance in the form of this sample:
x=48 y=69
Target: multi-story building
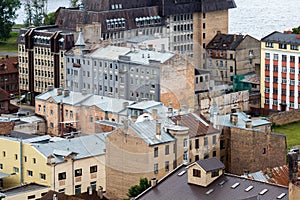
x=66 y=111
x=188 y=24
x=230 y=54
x=9 y=74
x=41 y=58
x=131 y=74
x=65 y=165
x=280 y=62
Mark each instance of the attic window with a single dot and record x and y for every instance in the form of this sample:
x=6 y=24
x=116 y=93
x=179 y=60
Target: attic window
x=263 y=191
x=249 y=188
x=235 y=185
x=196 y=173
x=215 y=173
x=281 y=196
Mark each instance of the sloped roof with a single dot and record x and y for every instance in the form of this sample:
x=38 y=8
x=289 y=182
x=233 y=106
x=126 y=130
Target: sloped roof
x=285 y=38
x=210 y=164
x=4 y=95
x=10 y=64
x=225 y=41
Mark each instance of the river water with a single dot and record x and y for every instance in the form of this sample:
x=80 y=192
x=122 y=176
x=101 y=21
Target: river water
x=257 y=18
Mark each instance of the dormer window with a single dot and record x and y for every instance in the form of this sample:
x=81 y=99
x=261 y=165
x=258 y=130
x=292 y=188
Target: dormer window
x=196 y=173
x=269 y=44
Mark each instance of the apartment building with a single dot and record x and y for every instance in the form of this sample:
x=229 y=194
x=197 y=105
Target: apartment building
x=67 y=111
x=69 y=166
x=280 y=62
x=189 y=25
x=230 y=54
x=9 y=74
x=41 y=58
x=132 y=74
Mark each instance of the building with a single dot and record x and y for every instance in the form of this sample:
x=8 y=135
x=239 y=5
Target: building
x=132 y=74
x=248 y=145
x=64 y=165
x=9 y=74
x=41 y=58
x=66 y=111
x=280 y=59
x=5 y=106
x=206 y=179
x=230 y=54
x=189 y=25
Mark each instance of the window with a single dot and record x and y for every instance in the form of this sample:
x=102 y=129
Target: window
x=292 y=70
x=1 y=166
x=292 y=58
x=267 y=56
x=197 y=144
x=185 y=156
x=51 y=124
x=167 y=166
x=283 y=57
x=275 y=56
x=284 y=81
x=294 y=47
x=284 y=69
x=16 y=170
x=214 y=154
x=29 y=173
x=156 y=168
x=34 y=161
x=67 y=113
x=275 y=80
x=282 y=46
x=264 y=151
x=275 y=68
x=267 y=67
x=62 y=191
x=292 y=83
x=16 y=156
x=275 y=102
x=62 y=176
x=71 y=114
x=205 y=141
x=155 y=152
x=283 y=92
x=214 y=139
x=269 y=44
x=3 y=153
x=51 y=112
x=91 y=119
x=267 y=101
x=93 y=169
x=185 y=143
x=267 y=90
x=215 y=173
x=31 y=197
x=78 y=172
x=196 y=173
x=167 y=150
x=77 y=189
x=222 y=144
x=292 y=93
x=275 y=91
x=43 y=176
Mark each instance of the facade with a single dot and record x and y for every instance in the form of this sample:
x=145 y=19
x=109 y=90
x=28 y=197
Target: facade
x=64 y=165
x=280 y=61
x=189 y=25
x=41 y=58
x=67 y=111
x=206 y=180
x=248 y=145
x=229 y=55
x=9 y=74
x=5 y=105
x=132 y=74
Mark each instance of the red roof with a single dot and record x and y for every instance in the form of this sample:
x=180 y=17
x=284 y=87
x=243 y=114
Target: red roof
x=8 y=65
x=4 y=95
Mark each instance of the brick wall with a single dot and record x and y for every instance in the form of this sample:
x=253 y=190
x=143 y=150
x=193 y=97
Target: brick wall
x=254 y=150
x=5 y=128
x=285 y=117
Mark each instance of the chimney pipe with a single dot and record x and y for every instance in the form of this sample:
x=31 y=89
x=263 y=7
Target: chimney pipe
x=234 y=119
x=89 y=189
x=50 y=88
x=158 y=130
x=100 y=192
x=153 y=182
x=59 y=91
x=66 y=93
x=248 y=123
x=154 y=113
x=54 y=196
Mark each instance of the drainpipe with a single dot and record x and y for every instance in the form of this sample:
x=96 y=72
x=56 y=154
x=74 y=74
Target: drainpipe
x=73 y=186
x=21 y=162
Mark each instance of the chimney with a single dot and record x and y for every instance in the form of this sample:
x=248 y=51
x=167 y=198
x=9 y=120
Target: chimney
x=158 y=130
x=178 y=120
x=234 y=119
x=90 y=191
x=54 y=196
x=66 y=93
x=293 y=167
x=162 y=48
x=59 y=91
x=50 y=88
x=183 y=109
x=83 y=92
x=154 y=113
x=248 y=123
x=234 y=37
x=125 y=104
x=216 y=120
x=100 y=192
x=153 y=182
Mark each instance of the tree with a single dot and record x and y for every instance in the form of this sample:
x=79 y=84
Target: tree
x=138 y=189
x=74 y=3
x=49 y=18
x=8 y=14
x=35 y=11
x=296 y=30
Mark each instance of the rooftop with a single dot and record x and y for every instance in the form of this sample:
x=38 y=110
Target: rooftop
x=21 y=189
x=285 y=38
x=174 y=186
x=225 y=41
x=210 y=164
x=9 y=65
x=143 y=105
x=110 y=52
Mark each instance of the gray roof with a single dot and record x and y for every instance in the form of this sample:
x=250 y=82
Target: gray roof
x=83 y=147
x=22 y=189
x=147 y=131
x=3 y=175
x=110 y=52
x=224 y=120
x=143 y=56
x=175 y=187
x=259 y=176
x=143 y=105
x=140 y=38
x=285 y=38
x=210 y=164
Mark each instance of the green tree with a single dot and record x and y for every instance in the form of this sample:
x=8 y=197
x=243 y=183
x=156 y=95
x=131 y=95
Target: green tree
x=296 y=30
x=35 y=11
x=138 y=189
x=8 y=14
x=74 y=3
x=50 y=18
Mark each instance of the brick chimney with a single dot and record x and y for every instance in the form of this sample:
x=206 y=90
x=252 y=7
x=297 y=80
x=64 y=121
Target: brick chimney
x=158 y=130
x=234 y=118
x=154 y=113
x=293 y=167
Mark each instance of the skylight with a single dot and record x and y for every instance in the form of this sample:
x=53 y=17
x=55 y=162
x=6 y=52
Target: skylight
x=281 y=196
x=222 y=182
x=235 y=185
x=181 y=173
x=263 y=191
x=209 y=191
x=249 y=188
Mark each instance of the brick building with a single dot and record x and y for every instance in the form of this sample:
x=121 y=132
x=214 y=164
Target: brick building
x=9 y=74
x=41 y=58
x=5 y=105
x=280 y=62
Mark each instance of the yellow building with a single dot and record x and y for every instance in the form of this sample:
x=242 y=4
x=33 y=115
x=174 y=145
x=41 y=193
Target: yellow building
x=65 y=165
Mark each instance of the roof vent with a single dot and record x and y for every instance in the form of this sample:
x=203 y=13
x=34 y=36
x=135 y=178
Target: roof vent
x=281 y=196
x=181 y=173
x=249 y=188
x=263 y=191
x=235 y=185
x=209 y=191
